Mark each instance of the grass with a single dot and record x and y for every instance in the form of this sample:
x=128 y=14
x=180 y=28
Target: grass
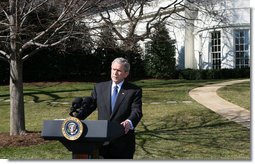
x=237 y=94
x=174 y=126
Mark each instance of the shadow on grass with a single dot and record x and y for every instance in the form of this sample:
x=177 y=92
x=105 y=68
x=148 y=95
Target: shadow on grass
x=54 y=95
x=172 y=139
x=178 y=83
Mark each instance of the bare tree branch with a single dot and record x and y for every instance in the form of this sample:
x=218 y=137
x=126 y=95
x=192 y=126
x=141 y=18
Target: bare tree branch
x=109 y=22
x=131 y=14
x=30 y=10
x=4 y=55
x=66 y=16
x=40 y=46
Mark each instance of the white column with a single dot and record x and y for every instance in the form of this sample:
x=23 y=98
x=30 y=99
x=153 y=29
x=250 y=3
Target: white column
x=189 y=37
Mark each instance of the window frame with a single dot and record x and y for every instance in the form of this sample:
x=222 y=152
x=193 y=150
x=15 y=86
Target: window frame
x=215 y=49
x=241 y=48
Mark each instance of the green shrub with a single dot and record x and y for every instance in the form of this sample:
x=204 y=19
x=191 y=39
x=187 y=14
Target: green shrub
x=193 y=74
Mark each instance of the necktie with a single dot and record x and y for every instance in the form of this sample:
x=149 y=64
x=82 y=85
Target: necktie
x=114 y=96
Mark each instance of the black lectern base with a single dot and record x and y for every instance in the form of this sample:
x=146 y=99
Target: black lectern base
x=80 y=156
x=94 y=155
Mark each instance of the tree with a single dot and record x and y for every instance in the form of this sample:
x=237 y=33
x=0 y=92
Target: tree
x=160 y=62
x=106 y=50
x=125 y=17
x=130 y=19
x=21 y=39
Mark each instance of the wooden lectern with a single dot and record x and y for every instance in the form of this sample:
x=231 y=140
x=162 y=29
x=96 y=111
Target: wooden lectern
x=94 y=134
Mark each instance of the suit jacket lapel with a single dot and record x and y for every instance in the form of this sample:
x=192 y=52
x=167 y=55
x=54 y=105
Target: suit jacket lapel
x=107 y=97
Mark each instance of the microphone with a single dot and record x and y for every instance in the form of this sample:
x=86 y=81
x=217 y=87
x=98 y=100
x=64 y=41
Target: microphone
x=86 y=103
x=85 y=110
x=76 y=103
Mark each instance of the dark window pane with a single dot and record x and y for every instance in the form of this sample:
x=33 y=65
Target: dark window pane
x=241 y=40
x=241 y=33
x=241 y=47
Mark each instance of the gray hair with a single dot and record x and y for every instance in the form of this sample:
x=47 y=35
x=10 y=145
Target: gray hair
x=123 y=61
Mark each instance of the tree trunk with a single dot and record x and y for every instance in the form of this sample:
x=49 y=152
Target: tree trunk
x=17 y=116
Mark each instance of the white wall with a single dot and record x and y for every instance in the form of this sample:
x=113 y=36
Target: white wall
x=238 y=14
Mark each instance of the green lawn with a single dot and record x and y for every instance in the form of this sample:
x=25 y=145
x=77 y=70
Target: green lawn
x=174 y=126
x=237 y=93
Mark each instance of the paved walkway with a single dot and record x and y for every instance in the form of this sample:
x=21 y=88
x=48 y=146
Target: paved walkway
x=208 y=97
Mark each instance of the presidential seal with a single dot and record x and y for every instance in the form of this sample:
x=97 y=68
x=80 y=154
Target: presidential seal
x=72 y=128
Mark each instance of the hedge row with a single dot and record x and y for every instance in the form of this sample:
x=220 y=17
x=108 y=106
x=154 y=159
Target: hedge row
x=191 y=74
x=52 y=66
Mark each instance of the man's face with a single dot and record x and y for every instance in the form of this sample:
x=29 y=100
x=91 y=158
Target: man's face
x=117 y=72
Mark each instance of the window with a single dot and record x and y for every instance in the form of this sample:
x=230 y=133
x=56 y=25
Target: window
x=216 y=50
x=242 y=58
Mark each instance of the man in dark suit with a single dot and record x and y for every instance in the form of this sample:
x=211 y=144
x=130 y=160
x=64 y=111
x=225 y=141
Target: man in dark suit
x=125 y=108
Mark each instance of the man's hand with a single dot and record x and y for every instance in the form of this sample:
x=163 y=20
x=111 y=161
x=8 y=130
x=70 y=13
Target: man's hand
x=127 y=126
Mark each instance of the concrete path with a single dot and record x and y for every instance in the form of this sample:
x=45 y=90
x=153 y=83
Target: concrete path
x=208 y=97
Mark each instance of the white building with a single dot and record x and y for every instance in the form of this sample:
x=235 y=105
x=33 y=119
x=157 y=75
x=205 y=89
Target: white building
x=204 y=41
x=221 y=45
